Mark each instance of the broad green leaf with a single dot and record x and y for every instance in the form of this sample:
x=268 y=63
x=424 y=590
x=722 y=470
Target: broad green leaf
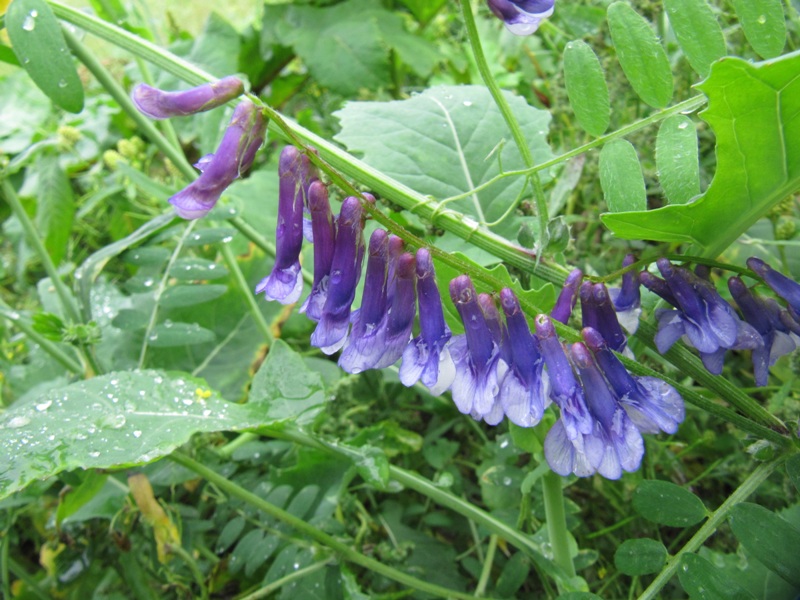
x=621 y=177
x=23 y=107
x=37 y=40
x=217 y=47
x=764 y=25
x=55 y=205
x=677 y=159
x=513 y=576
x=640 y=54
x=768 y=537
x=793 y=470
x=115 y=420
x=190 y=269
x=189 y=295
x=703 y=581
x=754 y=110
x=446 y=141
x=170 y=335
x=80 y=495
x=698 y=31
x=665 y=503
x=586 y=87
x=640 y=556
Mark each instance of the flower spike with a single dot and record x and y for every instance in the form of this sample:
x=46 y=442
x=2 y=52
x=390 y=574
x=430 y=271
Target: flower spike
x=160 y=104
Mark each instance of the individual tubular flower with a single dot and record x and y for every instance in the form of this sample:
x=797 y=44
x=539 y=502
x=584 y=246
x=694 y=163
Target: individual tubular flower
x=285 y=283
x=784 y=287
x=565 y=390
x=523 y=393
x=652 y=404
x=368 y=331
x=567 y=298
x=331 y=331
x=427 y=358
x=627 y=299
x=598 y=312
x=396 y=248
x=764 y=314
x=402 y=309
x=234 y=156
x=479 y=368
x=324 y=235
x=614 y=445
x=522 y=17
x=159 y=104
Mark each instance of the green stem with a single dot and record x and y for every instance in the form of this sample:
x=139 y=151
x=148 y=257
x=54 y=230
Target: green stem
x=35 y=241
x=33 y=586
x=710 y=526
x=48 y=346
x=347 y=553
x=508 y=116
x=279 y=583
x=556 y=516
x=192 y=564
x=244 y=288
x=488 y=563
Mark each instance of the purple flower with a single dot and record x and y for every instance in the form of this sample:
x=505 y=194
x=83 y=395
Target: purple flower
x=627 y=299
x=613 y=445
x=765 y=315
x=234 y=156
x=366 y=342
x=522 y=17
x=598 y=313
x=427 y=357
x=784 y=287
x=158 y=104
x=524 y=391
x=652 y=404
x=331 y=331
x=402 y=308
x=479 y=368
x=324 y=234
x=567 y=298
x=285 y=283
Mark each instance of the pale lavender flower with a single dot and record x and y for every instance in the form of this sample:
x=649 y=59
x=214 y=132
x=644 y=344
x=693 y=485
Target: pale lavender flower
x=234 y=156
x=567 y=298
x=524 y=391
x=285 y=283
x=331 y=331
x=479 y=368
x=427 y=357
x=627 y=299
x=324 y=234
x=522 y=17
x=160 y=104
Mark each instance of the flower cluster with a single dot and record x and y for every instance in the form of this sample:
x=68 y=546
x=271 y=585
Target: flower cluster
x=236 y=151
x=522 y=17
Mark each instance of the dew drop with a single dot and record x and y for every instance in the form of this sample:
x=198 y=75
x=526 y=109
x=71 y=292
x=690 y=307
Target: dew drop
x=17 y=422
x=762 y=20
x=29 y=24
x=43 y=406
x=137 y=434
x=467 y=103
x=62 y=83
x=94 y=454
x=683 y=125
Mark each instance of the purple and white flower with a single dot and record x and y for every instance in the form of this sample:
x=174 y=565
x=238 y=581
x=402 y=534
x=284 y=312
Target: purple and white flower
x=522 y=17
x=627 y=300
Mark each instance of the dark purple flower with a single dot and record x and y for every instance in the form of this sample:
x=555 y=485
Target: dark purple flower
x=427 y=357
x=784 y=287
x=612 y=446
x=324 y=234
x=158 y=104
x=285 y=283
x=598 y=313
x=402 y=308
x=652 y=404
x=627 y=299
x=331 y=332
x=522 y=17
x=234 y=156
x=567 y=298
x=524 y=391
x=479 y=368
x=368 y=331
x=396 y=248
x=764 y=314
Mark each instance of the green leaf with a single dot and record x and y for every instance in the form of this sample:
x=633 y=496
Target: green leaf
x=37 y=40
x=147 y=256
x=115 y=420
x=189 y=295
x=190 y=269
x=169 y=335
x=23 y=107
x=445 y=142
x=677 y=159
x=769 y=538
x=217 y=47
x=621 y=177
x=665 y=503
x=216 y=235
x=764 y=25
x=753 y=109
x=640 y=556
x=698 y=31
x=55 y=204
x=703 y=581
x=283 y=398
x=586 y=87
x=793 y=470
x=79 y=496
x=424 y=10
x=641 y=56
x=513 y=575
